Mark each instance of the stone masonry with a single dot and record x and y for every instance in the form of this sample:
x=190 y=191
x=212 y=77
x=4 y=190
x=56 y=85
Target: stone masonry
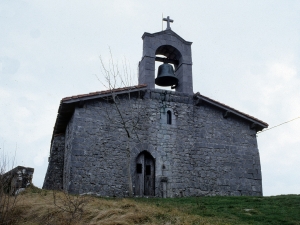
x=176 y=143
x=200 y=153
x=54 y=173
x=16 y=180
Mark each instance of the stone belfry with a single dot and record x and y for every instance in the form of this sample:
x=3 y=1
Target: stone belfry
x=176 y=51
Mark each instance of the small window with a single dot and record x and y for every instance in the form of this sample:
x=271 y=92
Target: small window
x=148 y=170
x=169 y=117
x=139 y=168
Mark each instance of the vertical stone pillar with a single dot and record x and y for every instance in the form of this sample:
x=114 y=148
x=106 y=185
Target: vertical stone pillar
x=164 y=184
x=184 y=75
x=164 y=181
x=147 y=71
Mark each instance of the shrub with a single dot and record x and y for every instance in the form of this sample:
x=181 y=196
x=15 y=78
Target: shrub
x=8 y=199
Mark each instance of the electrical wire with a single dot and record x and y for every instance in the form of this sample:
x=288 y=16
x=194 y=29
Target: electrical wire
x=278 y=125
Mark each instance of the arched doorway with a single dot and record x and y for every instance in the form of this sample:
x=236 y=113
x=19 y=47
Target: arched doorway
x=145 y=175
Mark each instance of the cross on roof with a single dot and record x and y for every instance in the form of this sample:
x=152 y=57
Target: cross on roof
x=168 y=22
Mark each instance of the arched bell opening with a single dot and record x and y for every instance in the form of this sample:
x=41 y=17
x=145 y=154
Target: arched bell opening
x=145 y=175
x=170 y=53
x=166 y=62
x=166 y=46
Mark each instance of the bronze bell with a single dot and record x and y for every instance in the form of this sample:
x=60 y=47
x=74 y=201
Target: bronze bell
x=166 y=76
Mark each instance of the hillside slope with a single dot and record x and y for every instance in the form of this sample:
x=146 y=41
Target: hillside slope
x=36 y=206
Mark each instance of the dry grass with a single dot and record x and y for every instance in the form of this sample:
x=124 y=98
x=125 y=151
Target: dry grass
x=37 y=207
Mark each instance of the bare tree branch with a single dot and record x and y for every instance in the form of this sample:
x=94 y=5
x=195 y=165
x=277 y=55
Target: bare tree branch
x=128 y=117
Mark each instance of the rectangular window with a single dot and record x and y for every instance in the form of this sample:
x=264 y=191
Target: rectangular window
x=139 y=168
x=148 y=170
x=169 y=117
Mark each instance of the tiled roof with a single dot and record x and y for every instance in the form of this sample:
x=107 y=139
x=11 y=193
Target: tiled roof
x=68 y=104
x=130 y=88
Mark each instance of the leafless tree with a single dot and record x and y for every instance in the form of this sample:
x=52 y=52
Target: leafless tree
x=128 y=118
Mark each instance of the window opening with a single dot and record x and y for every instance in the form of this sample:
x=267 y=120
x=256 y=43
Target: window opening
x=169 y=117
x=139 y=168
x=148 y=170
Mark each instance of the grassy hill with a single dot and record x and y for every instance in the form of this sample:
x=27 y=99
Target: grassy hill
x=36 y=206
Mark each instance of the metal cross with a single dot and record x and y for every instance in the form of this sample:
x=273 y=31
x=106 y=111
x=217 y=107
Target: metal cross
x=168 y=22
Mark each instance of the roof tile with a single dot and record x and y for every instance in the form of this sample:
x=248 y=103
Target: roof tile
x=104 y=92
x=143 y=86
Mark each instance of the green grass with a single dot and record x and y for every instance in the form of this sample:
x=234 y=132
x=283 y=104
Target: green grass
x=36 y=204
x=281 y=210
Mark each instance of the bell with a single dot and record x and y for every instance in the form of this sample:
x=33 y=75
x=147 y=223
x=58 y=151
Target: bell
x=165 y=76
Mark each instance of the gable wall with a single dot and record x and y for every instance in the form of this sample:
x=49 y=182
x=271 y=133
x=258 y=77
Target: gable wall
x=201 y=153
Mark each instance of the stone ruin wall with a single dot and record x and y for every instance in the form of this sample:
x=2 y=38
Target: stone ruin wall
x=200 y=153
x=16 y=180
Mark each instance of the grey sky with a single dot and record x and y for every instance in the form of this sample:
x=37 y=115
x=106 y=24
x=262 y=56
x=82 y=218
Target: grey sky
x=246 y=54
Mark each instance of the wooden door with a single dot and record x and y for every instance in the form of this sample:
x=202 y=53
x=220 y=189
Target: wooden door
x=149 y=176
x=145 y=175
x=139 y=181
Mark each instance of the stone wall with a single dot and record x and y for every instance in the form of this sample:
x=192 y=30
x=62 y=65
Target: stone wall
x=54 y=175
x=16 y=180
x=200 y=153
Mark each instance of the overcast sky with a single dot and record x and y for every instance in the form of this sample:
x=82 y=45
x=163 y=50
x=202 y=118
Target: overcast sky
x=246 y=54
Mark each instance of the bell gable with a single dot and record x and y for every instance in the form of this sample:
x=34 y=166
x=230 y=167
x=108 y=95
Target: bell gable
x=176 y=50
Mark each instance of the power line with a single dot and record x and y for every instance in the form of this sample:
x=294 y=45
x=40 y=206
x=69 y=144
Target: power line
x=278 y=125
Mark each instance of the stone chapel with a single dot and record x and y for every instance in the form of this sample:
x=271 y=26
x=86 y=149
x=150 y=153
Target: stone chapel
x=154 y=142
